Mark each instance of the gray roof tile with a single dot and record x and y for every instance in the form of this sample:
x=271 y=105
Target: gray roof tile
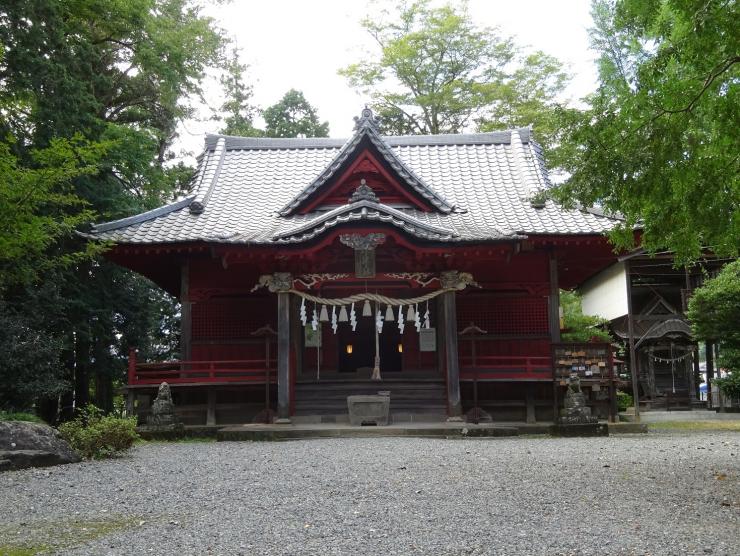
x=243 y=184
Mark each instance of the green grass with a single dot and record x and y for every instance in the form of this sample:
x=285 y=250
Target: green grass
x=43 y=537
x=19 y=416
x=729 y=425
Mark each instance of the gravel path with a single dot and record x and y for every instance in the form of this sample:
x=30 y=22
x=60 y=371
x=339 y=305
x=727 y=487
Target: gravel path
x=666 y=493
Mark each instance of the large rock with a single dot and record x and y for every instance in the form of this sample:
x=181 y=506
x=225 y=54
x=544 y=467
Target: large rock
x=32 y=445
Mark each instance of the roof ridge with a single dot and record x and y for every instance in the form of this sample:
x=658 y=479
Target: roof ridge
x=142 y=217
x=235 y=142
x=210 y=174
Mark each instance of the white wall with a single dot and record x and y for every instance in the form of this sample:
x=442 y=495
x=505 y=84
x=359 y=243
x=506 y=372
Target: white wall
x=605 y=295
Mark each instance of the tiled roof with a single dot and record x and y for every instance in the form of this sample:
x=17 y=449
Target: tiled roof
x=246 y=190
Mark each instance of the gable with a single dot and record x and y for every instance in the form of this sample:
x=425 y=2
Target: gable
x=367 y=156
x=368 y=170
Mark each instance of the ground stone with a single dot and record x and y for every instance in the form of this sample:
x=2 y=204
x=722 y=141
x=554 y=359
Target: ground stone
x=32 y=445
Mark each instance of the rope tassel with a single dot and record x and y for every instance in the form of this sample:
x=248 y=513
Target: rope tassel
x=389 y=314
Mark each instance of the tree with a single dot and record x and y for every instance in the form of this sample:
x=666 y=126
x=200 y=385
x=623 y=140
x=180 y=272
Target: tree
x=714 y=312
x=239 y=110
x=39 y=207
x=438 y=72
x=79 y=77
x=293 y=116
x=659 y=142
x=577 y=326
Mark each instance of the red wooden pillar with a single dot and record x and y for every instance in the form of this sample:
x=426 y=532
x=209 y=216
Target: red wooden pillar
x=553 y=313
x=186 y=319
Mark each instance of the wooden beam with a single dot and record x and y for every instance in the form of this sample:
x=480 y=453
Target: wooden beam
x=634 y=362
x=449 y=322
x=283 y=371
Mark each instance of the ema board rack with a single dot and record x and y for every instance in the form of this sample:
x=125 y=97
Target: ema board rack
x=590 y=361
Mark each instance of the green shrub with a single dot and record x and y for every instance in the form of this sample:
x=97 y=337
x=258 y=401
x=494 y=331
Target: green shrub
x=624 y=400
x=729 y=385
x=30 y=417
x=95 y=435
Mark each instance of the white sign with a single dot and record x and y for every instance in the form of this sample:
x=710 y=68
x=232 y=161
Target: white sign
x=428 y=339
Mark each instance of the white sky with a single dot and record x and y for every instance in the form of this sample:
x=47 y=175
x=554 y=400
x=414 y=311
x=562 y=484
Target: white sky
x=302 y=43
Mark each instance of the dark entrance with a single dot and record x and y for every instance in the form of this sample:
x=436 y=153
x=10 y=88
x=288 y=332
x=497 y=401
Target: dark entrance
x=357 y=349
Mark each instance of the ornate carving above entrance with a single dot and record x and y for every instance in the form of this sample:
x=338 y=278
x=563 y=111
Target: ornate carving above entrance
x=364 y=246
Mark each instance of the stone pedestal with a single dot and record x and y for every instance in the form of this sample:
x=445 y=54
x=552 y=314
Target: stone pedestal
x=369 y=410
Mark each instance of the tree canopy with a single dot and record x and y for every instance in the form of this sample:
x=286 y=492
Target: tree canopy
x=658 y=143
x=714 y=312
x=91 y=93
x=294 y=116
x=239 y=112
x=436 y=71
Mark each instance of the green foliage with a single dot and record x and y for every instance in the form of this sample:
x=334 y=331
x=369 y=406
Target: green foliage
x=40 y=208
x=91 y=93
x=436 y=71
x=20 y=416
x=293 y=116
x=624 y=400
x=714 y=312
x=95 y=436
x=659 y=142
x=30 y=346
x=238 y=107
x=578 y=327
x=730 y=384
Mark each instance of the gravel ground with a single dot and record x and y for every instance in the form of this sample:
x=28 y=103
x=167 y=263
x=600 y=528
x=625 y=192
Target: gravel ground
x=666 y=493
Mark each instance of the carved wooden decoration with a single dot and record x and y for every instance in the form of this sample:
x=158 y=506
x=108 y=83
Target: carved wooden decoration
x=364 y=247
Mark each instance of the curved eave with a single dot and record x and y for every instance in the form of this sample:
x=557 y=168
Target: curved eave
x=370 y=211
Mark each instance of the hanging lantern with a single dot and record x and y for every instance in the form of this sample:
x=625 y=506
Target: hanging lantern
x=348 y=348
x=389 y=314
x=324 y=315
x=343 y=314
x=304 y=316
x=367 y=311
x=400 y=347
x=411 y=314
x=334 y=322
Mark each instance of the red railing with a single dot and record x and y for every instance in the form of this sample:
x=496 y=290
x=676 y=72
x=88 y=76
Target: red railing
x=256 y=371
x=492 y=367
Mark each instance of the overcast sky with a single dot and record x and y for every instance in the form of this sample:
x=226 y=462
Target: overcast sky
x=301 y=43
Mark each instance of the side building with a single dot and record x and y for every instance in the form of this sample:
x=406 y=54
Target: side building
x=309 y=268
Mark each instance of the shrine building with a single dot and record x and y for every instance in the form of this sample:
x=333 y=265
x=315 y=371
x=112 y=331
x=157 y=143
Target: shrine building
x=313 y=269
